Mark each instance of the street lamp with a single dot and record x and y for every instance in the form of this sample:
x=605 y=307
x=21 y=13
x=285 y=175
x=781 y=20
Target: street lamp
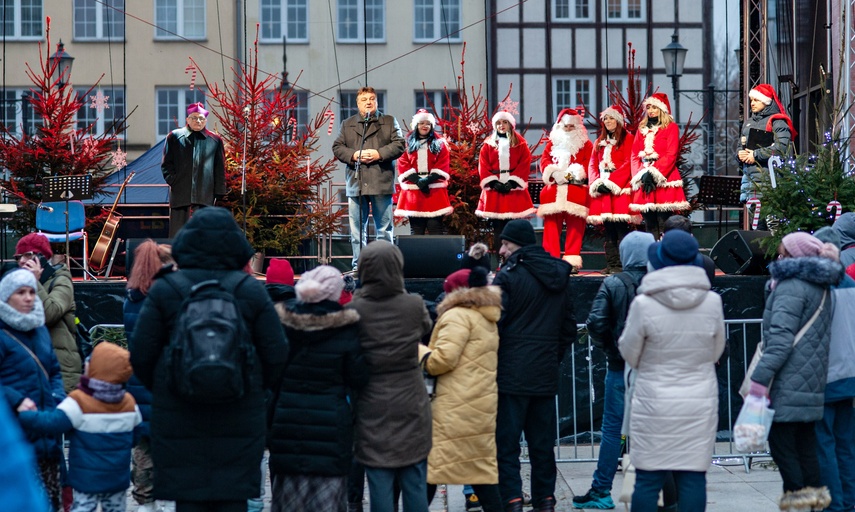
x=674 y=56
x=61 y=63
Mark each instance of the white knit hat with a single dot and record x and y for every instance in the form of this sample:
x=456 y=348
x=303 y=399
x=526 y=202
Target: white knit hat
x=321 y=283
x=14 y=280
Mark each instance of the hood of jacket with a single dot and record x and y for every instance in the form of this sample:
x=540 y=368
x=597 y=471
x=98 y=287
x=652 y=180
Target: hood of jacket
x=678 y=287
x=211 y=240
x=633 y=250
x=845 y=226
x=315 y=317
x=381 y=271
x=813 y=269
x=552 y=273
x=487 y=300
x=280 y=292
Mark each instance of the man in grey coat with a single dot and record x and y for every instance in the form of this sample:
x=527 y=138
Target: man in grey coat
x=368 y=144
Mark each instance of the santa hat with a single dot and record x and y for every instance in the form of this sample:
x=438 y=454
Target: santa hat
x=567 y=117
x=422 y=115
x=660 y=100
x=763 y=92
x=504 y=115
x=615 y=112
x=197 y=107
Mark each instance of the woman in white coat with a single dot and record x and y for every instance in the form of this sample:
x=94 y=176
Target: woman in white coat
x=673 y=337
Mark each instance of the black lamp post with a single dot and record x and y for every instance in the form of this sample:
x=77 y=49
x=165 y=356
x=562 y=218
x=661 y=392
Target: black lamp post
x=674 y=56
x=60 y=68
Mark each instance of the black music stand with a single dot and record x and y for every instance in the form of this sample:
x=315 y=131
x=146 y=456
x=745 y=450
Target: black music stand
x=66 y=188
x=719 y=191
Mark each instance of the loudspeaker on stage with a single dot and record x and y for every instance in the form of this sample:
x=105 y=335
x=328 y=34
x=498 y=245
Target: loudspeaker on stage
x=739 y=252
x=431 y=256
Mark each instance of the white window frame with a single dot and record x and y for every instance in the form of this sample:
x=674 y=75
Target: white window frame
x=624 y=81
x=571 y=10
x=104 y=119
x=276 y=28
x=348 y=108
x=17 y=9
x=164 y=33
x=360 y=26
x=103 y=13
x=300 y=112
x=574 y=82
x=438 y=99
x=624 y=8
x=177 y=114
x=438 y=20
x=14 y=103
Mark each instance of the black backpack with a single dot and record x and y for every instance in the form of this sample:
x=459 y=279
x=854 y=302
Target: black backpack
x=209 y=357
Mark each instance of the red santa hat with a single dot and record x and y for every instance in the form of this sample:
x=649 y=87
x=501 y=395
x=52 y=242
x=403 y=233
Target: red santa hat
x=615 y=112
x=765 y=93
x=660 y=100
x=504 y=115
x=422 y=115
x=567 y=117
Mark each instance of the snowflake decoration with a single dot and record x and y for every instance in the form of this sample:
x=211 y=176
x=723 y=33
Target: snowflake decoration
x=510 y=106
x=119 y=159
x=99 y=101
x=474 y=126
x=88 y=148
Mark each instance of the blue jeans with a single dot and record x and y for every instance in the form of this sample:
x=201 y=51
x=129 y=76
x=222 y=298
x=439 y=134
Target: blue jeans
x=835 y=449
x=691 y=490
x=610 y=446
x=381 y=208
x=413 y=482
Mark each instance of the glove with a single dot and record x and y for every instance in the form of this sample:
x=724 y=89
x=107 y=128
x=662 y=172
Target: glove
x=757 y=389
x=424 y=185
x=498 y=186
x=433 y=178
x=602 y=189
x=648 y=184
x=413 y=178
x=510 y=185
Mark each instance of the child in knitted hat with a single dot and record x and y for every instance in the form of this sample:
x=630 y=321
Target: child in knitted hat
x=100 y=417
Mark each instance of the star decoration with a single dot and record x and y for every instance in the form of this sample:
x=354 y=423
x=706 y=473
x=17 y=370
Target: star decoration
x=510 y=106
x=119 y=159
x=99 y=101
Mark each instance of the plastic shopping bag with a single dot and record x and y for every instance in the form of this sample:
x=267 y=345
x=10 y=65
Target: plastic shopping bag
x=752 y=425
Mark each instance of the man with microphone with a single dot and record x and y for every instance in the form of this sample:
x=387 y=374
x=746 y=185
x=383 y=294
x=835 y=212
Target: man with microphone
x=368 y=144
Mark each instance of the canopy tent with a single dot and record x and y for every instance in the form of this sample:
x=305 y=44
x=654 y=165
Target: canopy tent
x=147 y=185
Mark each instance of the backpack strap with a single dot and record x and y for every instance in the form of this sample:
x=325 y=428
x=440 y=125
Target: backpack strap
x=631 y=284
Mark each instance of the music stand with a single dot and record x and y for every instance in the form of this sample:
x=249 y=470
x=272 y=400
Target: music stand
x=66 y=188
x=719 y=191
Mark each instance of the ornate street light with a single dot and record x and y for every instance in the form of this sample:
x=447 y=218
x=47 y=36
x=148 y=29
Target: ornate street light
x=674 y=56
x=61 y=63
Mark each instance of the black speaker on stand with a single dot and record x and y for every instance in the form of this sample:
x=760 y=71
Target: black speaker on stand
x=431 y=256
x=739 y=252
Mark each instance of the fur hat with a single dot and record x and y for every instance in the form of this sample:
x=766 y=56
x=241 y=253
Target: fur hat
x=763 y=92
x=615 y=112
x=321 y=283
x=478 y=255
x=197 y=107
x=110 y=363
x=676 y=248
x=500 y=115
x=422 y=115
x=12 y=281
x=280 y=272
x=520 y=232
x=568 y=116
x=34 y=242
x=470 y=278
x=659 y=99
x=802 y=245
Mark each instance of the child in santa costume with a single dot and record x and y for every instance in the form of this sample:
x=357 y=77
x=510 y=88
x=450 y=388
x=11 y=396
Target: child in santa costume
x=504 y=167
x=564 y=199
x=423 y=177
x=656 y=182
x=609 y=174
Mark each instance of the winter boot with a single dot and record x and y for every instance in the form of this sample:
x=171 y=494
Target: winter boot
x=613 y=264
x=547 y=505
x=820 y=497
x=515 y=505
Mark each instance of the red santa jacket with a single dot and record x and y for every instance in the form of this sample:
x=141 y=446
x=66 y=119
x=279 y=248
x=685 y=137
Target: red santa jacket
x=610 y=166
x=565 y=180
x=655 y=149
x=516 y=203
x=412 y=202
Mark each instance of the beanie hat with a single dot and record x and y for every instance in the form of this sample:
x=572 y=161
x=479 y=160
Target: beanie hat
x=567 y=117
x=802 y=245
x=471 y=278
x=520 y=232
x=615 y=112
x=14 y=280
x=321 y=283
x=197 y=107
x=660 y=100
x=765 y=93
x=422 y=115
x=110 y=363
x=477 y=257
x=676 y=248
x=280 y=272
x=502 y=114
x=34 y=242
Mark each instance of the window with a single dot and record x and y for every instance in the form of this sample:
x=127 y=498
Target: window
x=436 y=19
x=17 y=112
x=299 y=101
x=23 y=19
x=172 y=107
x=438 y=100
x=103 y=121
x=179 y=19
x=99 y=20
x=348 y=104
x=570 y=93
x=287 y=18
x=629 y=10
x=620 y=84
x=360 y=20
x=571 y=10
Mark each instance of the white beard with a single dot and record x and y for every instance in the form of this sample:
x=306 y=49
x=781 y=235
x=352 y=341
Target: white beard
x=566 y=144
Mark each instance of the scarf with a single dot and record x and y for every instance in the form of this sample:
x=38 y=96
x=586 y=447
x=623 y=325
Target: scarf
x=101 y=390
x=21 y=321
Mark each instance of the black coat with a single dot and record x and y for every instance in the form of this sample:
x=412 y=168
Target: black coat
x=608 y=314
x=194 y=167
x=537 y=323
x=312 y=431
x=381 y=133
x=202 y=451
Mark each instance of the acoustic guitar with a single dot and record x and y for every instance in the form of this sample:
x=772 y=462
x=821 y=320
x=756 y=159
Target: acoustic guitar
x=98 y=258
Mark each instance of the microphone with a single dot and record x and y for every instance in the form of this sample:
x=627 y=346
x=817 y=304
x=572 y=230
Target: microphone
x=744 y=141
x=46 y=208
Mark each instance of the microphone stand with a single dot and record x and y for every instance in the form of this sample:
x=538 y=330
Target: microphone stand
x=246 y=113
x=356 y=169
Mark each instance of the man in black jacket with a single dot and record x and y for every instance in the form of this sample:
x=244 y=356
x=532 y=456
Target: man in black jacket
x=536 y=327
x=605 y=325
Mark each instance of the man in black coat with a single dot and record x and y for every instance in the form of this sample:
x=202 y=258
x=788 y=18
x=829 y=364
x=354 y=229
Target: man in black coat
x=536 y=327
x=194 y=167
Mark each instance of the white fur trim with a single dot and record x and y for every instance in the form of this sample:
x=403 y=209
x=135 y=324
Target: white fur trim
x=658 y=177
x=519 y=215
x=412 y=186
x=506 y=116
x=660 y=207
x=422 y=159
x=562 y=205
x=757 y=95
x=657 y=103
x=611 y=185
x=422 y=116
x=578 y=171
x=549 y=171
x=437 y=213
x=504 y=149
x=596 y=220
x=487 y=180
x=441 y=173
x=519 y=181
x=614 y=114
x=606 y=164
x=402 y=178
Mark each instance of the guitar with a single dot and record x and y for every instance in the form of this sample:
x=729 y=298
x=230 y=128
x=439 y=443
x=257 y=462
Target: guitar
x=98 y=258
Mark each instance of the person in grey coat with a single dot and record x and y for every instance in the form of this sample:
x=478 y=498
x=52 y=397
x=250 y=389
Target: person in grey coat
x=372 y=141
x=794 y=376
x=845 y=227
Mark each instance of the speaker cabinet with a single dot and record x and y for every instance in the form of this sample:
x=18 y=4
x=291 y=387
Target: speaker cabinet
x=131 y=245
x=431 y=256
x=738 y=252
